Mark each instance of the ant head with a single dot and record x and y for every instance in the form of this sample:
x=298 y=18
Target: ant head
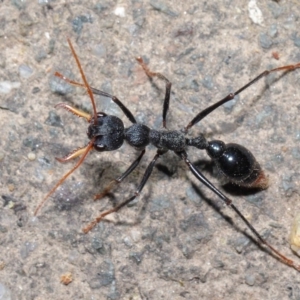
x=108 y=132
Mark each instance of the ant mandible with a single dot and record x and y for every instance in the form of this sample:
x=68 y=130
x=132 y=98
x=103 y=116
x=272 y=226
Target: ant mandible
x=107 y=133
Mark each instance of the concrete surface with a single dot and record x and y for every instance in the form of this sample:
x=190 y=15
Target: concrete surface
x=177 y=241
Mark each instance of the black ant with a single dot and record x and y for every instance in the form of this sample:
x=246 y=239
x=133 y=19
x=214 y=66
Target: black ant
x=107 y=133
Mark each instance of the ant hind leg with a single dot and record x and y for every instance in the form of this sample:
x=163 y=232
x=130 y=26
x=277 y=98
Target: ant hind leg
x=228 y=202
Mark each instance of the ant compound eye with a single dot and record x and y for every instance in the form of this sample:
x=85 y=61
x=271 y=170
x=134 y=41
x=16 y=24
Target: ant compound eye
x=99 y=147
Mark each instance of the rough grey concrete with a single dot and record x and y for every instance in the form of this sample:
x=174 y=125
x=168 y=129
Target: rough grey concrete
x=177 y=241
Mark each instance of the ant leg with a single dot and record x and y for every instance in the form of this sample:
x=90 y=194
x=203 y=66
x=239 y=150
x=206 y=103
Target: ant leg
x=118 y=180
x=230 y=96
x=229 y=203
x=137 y=192
x=125 y=110
x=84 y=151
x=168 y=87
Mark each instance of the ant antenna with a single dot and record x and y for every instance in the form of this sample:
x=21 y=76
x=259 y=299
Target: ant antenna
x=84 y=80
x=81 y=151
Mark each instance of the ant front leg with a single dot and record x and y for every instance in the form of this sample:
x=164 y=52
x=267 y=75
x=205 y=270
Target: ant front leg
x=118 y=180
x=168 y=87
x=125 y=110
x=230 y=96
x=137 y=192
x=229 y=203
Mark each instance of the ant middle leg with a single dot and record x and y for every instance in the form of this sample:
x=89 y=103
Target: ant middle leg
x=137 y=192
x=168 y=87
x=230 y=96
x=118 y=180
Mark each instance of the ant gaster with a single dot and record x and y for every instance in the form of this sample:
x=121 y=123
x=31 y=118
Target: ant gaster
x=107 y=133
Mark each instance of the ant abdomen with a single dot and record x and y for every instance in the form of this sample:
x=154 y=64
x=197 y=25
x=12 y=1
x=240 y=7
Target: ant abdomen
x=237 y=163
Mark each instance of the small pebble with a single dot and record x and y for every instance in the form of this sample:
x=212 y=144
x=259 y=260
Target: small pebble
x=128 y=242
x=255 y=13
x=11 y=187
x=120 y=11
x=295 y=235
x=66 y=278
x=25 y=71
x=31 y=156
x=163 y=7
x=250 y=279
x=4 y=292
x=265 y=41
x=27 y=248
x=7 y=86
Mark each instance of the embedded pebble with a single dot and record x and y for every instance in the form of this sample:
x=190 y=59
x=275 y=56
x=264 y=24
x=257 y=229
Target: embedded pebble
x=136 y=257
x=43 y=2
x=7 y=86
x=163 y=7
x=31 y=156
x=241 y=243
x=193 y=195
x=276 y=9
x=26 y=249
x=128 y=242
x=100 y=50
x=66 y=278
x=296 y=153
x=25 y=71
x=297 y=41
x=255 y=13
x=273 y=31
x=20 y=4
x=11 y=187
x=42 y=54
x=59 y=86
x=250 y=279
x=104 y=276
x=4 y=292
x=295 y=235
x=120 y=11
x=54 y=119
x=265 y=41
x=208 y=82
x=77 y=23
